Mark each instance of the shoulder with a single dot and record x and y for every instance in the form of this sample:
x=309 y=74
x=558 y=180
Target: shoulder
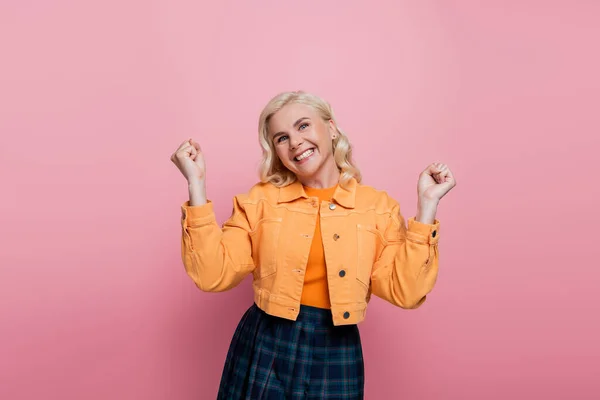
x=368 y=196
x=260 y=191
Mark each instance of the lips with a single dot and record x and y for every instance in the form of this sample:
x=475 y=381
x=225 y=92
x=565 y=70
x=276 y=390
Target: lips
x=307 y=153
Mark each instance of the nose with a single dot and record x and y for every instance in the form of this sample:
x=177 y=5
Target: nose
x=295 y=142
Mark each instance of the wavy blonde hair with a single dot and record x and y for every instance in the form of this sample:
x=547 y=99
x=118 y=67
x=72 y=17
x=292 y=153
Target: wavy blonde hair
x=272 y=170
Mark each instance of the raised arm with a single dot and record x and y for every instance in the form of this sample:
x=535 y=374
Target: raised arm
x=216 y=258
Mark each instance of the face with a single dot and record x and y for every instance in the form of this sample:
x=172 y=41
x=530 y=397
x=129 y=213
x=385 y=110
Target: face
x=303 y=142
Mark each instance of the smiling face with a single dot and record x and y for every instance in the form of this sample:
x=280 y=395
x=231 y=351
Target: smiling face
x=303 y=143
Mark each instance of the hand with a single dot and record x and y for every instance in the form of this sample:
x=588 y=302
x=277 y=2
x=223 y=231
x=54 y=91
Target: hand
x=190 y=161
x=435 y=182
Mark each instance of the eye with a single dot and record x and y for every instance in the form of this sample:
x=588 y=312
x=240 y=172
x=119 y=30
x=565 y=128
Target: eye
x=281 y=138
x=303 y=126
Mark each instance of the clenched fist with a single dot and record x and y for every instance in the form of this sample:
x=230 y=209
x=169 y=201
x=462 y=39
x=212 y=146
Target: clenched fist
x=190 y=161
x=435 y=182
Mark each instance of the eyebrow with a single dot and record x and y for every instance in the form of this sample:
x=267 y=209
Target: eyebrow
x=298 y=122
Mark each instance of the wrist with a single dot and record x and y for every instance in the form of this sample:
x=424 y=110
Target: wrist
x=426 y=210
x=197 y=191
x=427 y=203
x=196 y=183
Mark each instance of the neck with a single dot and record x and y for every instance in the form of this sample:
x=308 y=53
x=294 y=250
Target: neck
x=326 y=178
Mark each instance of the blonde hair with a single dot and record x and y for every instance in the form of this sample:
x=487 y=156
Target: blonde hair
x=271 y=168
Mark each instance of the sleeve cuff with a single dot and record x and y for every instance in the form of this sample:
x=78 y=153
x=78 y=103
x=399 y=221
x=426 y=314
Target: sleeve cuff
x=423 y=233
x=197 y=215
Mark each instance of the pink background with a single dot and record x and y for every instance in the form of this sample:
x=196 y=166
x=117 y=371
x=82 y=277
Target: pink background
x=96 y=95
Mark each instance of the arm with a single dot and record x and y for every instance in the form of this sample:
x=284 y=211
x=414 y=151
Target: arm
x=216 y=259
x=407 y=268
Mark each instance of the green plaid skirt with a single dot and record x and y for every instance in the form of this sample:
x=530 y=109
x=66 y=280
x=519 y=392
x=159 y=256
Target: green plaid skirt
x=310 y=358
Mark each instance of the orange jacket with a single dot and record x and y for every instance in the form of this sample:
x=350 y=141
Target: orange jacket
x=368 y=249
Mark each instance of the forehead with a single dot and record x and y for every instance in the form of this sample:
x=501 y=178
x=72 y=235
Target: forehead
x=286 y=117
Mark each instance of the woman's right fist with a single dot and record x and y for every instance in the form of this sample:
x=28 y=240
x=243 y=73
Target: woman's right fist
x=190 y=161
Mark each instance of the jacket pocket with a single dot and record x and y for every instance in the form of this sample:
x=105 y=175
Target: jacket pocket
x=265 y=242
x=369 y=240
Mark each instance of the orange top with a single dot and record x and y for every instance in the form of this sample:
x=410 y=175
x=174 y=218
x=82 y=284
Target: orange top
x=315 y=291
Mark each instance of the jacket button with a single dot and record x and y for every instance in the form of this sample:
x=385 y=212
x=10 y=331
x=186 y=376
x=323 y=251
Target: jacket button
x=336 y=236
x=433 y=233
x=332 y=206
x=342 y=273
x=346 y=315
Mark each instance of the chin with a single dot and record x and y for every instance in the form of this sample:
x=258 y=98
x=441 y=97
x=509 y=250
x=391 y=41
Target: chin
x=304 y=171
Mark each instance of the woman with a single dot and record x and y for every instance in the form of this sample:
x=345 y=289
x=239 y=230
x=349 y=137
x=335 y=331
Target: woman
x=318 y=244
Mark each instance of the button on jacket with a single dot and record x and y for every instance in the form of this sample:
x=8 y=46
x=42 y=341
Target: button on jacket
x=368 y=248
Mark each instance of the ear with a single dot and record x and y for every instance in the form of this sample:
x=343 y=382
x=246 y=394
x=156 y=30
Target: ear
x=333 y=134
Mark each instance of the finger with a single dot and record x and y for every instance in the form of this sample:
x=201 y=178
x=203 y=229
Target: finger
x=184 y=143
x=440 y=177
x=180 y=152
x=184 y=152
x=432 y=169
x=449 y=179
x=449 y=182
x=441 y=167
x=193 y=152
x=195 y=144
x=444 y=176
x=183 y=146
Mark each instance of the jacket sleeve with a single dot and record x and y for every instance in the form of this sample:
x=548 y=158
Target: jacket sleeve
x=217 y=259
x=407 y=267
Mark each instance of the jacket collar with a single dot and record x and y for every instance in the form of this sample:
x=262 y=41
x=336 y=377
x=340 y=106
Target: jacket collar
x=344 y=197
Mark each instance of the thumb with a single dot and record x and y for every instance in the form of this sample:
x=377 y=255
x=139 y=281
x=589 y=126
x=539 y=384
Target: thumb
x=193 y=152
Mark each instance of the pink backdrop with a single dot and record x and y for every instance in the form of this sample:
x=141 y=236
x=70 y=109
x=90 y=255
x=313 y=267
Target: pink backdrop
x=95 y=95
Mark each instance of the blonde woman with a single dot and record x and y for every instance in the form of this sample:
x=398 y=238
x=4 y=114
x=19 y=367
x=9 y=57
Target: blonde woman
x=318 y=244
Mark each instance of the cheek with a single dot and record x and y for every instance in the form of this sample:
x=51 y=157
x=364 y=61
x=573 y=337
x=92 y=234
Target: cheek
x=326 y=144
x=323 y=139
x=281 y=154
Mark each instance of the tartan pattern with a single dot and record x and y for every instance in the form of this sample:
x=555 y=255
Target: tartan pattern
x=310 y=358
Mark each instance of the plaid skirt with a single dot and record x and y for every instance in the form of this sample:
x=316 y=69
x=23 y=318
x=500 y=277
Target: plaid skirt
x=310 y=358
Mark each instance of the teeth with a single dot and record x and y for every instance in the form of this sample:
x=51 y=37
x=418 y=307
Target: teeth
x=305 y=154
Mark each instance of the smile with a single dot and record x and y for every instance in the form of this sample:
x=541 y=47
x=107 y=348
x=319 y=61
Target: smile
x=305 y=155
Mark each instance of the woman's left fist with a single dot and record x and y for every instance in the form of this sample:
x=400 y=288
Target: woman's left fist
x=435 y=182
